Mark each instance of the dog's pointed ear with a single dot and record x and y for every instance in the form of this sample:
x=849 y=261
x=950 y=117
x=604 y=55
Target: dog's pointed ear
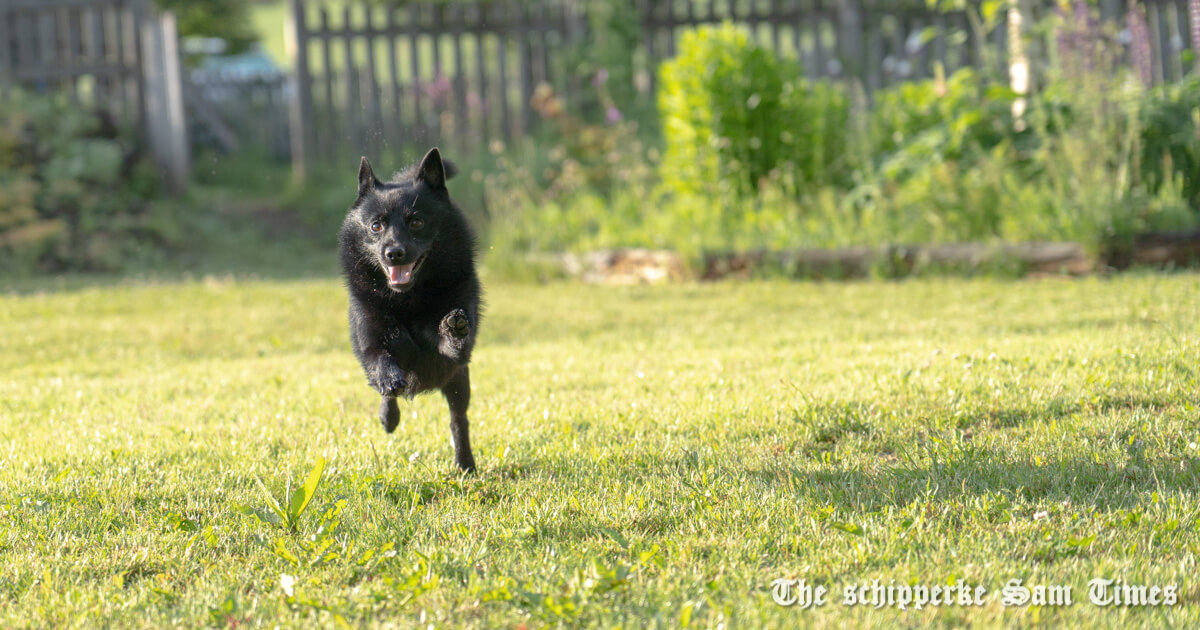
x=366 y=177
x=432 y=171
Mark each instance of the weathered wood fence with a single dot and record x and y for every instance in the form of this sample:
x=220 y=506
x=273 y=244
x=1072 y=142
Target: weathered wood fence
x=395 y=77
x=118 y=55
x=231 y=110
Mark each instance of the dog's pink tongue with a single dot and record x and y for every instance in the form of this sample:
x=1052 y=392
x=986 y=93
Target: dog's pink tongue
x=400 y=274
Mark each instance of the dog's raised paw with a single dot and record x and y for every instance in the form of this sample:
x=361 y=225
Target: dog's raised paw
x=456 y=324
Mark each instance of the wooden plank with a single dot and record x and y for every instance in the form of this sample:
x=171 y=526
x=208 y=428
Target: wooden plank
x=100 y=44
x=47 y=55
x=330 y=145
x=6 y=62
x=65 y=51
x=374 y=127
x=939 y=42
x=396 y=124
x=562 y=27
x=669 y=24
x=179 y=152
x=435 y=49
x=524 y=67
x=850 y=39
x=132 y=90
x=301 y=107
x=353 y=136
x=818 y=47
x=974 y=58
x=874 y=61
x=1109 y=9
x=503 y=89
x=478 y=27
x=646 y=8
x=775 y=23
x=414 y=53
x=1156 y=43
x=1173 y=61
x=165 y=123
x=542 y=65
x=460 y=127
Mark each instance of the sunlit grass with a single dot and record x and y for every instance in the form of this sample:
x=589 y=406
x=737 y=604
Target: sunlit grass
x=648 y=456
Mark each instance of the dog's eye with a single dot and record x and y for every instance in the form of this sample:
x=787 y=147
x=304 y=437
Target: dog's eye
x=377 y=226
x=415 y=223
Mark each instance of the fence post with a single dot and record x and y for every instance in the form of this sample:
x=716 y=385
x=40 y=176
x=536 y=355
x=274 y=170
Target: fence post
x=301 y=104
x=850 y=38
x=6 y=16
x=166 y=124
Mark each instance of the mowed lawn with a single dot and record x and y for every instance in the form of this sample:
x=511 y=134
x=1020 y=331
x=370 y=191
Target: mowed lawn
x=649 y=457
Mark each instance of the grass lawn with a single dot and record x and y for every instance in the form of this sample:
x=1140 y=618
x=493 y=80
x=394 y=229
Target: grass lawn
x=648 y=456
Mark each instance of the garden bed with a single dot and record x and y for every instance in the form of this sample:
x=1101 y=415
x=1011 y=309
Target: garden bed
x=1163 y=250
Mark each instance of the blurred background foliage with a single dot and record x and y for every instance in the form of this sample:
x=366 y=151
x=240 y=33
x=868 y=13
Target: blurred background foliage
x=75 y=190
x=753 y=155
x=735 y=150
x=225 y=19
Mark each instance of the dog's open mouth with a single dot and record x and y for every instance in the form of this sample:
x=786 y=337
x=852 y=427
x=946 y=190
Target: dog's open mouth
x=401 y=276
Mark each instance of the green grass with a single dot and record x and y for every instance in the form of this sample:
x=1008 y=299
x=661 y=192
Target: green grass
x=647 y=456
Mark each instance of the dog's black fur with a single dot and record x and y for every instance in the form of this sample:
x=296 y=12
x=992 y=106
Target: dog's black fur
x=408 y=256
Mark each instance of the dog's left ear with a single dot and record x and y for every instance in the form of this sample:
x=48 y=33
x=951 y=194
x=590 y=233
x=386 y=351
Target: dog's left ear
x=366 y=177
x=432 y=171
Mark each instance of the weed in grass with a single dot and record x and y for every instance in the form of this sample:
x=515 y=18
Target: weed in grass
x=296 y=502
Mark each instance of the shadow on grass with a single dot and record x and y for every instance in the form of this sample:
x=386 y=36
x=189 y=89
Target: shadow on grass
x=1104 y=485
x=958 y=467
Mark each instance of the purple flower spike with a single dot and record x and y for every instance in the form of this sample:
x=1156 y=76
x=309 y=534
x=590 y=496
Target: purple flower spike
x=613 y=115
x=1194 y=13
x=600 y=78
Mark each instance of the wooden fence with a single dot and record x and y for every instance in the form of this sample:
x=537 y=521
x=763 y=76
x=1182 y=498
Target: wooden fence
x=374 y=78
x=117 y=55
x=390 y=77
x=230 y=110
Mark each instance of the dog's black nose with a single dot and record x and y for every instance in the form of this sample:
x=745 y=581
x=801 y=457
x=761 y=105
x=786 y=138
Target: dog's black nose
x=394 y=254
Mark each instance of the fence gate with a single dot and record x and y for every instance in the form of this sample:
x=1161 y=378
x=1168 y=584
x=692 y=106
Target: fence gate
x=117 y=55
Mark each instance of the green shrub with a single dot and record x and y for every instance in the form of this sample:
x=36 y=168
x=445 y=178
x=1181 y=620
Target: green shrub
x=919 y=124
x=733 y=113
x=74 y=190
x=1171 y=138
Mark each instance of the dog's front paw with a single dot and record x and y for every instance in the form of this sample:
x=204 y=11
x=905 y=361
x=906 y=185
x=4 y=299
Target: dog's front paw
x=456 y=324
x=389 y=414
x=390 y=379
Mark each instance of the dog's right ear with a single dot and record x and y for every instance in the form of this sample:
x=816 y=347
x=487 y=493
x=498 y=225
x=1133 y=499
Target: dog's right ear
x=366 y=177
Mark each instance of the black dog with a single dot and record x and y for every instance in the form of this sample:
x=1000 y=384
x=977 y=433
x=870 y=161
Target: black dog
x=408 y=255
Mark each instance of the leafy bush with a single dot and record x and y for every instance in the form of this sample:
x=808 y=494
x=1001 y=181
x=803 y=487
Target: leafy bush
x=733 y=113
x=74 y=190
x=1171 y=138
x=918 y=124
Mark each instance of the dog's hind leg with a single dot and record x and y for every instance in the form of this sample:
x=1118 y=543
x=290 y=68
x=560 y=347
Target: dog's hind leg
x=389 y=413
x=458 y=395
